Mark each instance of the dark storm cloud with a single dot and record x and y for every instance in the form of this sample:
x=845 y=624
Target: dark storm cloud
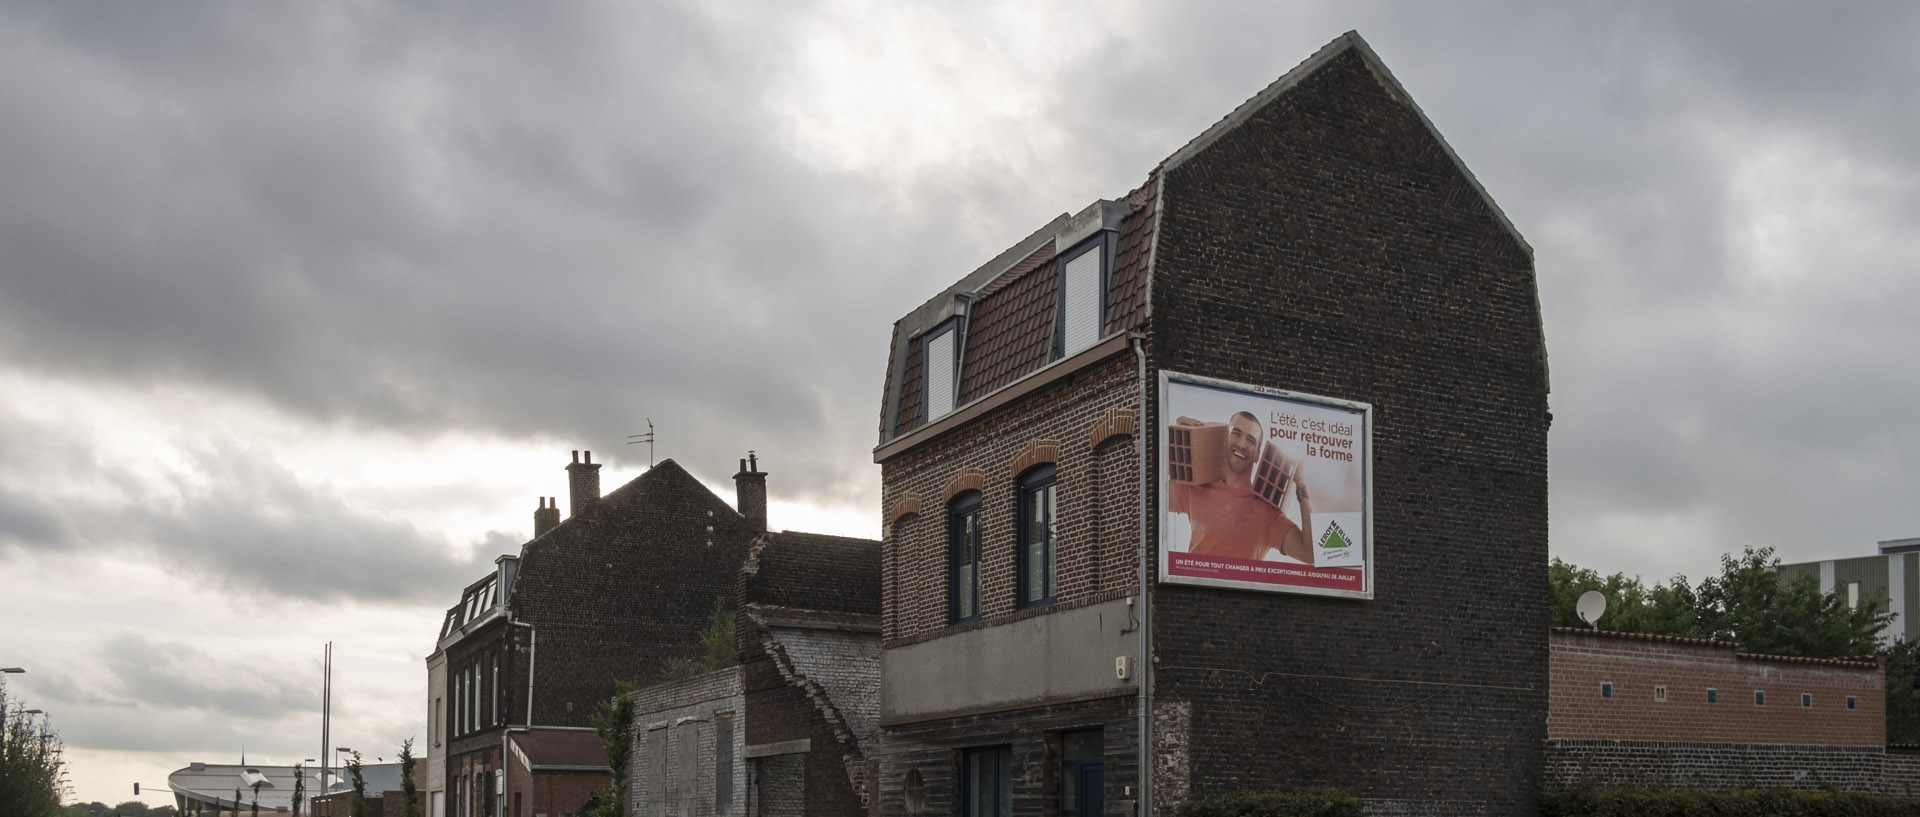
x=559 y=221
x=553 y=221
x=231 y=517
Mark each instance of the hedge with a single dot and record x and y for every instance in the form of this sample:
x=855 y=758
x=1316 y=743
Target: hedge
x=1740 y=802
x=1317 y=803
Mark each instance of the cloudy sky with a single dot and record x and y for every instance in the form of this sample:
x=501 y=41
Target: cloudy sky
x=302 y=305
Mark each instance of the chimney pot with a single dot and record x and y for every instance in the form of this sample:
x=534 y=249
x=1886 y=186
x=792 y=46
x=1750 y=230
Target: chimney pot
x=752 y=487
x=583 y=483
x=546 y=518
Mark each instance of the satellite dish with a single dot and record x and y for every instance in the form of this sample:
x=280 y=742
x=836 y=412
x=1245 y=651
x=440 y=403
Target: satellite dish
x=1591 y=606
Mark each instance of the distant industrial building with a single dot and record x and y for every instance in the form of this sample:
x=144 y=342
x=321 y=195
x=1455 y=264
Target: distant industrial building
x=1893 y=575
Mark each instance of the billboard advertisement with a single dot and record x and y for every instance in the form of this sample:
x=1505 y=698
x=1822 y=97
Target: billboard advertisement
x=1264 y=489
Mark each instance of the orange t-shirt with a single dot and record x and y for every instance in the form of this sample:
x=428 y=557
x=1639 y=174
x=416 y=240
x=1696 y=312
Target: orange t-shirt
x=1229 y=522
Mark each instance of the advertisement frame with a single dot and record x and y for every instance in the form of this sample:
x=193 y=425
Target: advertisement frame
x=1365 y=435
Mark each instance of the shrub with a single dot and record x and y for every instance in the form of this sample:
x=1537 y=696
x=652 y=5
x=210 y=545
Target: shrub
x=1316 y=803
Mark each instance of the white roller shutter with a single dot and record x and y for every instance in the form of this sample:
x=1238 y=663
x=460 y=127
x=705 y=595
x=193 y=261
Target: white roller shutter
x=940 y=375
x=1080 y=319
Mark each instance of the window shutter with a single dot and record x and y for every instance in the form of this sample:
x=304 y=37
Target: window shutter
x=1080 y=321
x=940 y=375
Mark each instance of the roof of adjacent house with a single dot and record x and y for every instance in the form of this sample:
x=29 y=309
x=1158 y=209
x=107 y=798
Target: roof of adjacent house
x=814 y=575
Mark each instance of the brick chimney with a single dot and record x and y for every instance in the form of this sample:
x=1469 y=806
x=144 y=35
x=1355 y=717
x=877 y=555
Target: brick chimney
x=583 y=482
x=547 y=517
x=753 y=492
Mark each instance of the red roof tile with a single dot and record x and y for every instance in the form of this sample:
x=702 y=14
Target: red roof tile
x=1010 y=332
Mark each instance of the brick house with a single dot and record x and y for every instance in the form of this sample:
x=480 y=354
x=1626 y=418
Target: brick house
x=1634 y=710
x=791 y=729
x=1043 y=535
x=614 y=591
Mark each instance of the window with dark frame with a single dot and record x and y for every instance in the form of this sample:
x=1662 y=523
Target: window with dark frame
x=986 y=782
x=1082 y=758
x=1038 y=513
x=963 y=556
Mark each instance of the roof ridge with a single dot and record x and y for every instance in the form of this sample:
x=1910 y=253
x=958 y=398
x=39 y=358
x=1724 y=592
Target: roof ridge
x=1350 y=41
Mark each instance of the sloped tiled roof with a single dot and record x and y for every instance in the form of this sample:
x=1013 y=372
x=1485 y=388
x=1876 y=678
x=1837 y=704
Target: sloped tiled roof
x=1010 y=322
x=810 y=571
x=1011 y=330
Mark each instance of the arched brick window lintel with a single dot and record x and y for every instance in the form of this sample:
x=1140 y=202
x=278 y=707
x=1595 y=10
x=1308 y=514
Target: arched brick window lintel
x=905 y=506
x=1038 y=452
x=1115 y=423
x=969 y=479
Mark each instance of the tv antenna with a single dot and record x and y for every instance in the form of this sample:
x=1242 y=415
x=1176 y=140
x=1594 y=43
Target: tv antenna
x=1591 y=606
x=636 y=439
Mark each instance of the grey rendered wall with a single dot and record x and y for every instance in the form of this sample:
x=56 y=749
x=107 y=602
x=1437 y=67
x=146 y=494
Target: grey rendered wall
x=1060 y=655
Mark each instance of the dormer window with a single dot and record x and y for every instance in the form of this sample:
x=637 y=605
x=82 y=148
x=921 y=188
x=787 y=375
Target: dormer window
x=940 y=372
x=1081 y=319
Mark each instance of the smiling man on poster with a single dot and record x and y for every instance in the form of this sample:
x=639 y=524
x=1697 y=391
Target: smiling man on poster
x=1228 y=516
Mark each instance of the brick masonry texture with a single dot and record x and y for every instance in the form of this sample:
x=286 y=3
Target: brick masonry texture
x=619 y=590
x=1581 y=662
x=1328 y=244
x=809 y=647
x=671 y=716
x=1681 y=764
x=1096 y=488
x=613 y=592
x=934 y=748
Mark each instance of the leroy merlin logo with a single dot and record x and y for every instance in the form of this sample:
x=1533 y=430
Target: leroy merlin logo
x=1334 y=537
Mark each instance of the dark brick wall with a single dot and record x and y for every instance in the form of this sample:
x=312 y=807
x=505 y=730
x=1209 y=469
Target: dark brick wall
x=1637 y=764
x=618 y=590
x=836 y=576
x=1327 y=245
x=778 y=711
x=934 y=748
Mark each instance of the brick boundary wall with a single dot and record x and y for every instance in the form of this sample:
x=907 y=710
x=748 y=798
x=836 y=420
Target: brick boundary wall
x=1636 y=667
x=1638 y=764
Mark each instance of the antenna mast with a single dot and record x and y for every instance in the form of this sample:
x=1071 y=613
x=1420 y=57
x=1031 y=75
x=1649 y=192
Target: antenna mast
x=635 y=439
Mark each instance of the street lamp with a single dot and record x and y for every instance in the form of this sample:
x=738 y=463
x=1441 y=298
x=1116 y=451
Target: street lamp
x=12 y=669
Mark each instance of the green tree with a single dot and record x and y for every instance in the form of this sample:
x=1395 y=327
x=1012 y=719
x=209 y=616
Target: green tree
x=613 y=720
x=409 y=791
x=31 y=765
x=1749 y=603
x=299 y=786
x=1902 y=660
x=1632 y=607
x=357 y=774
